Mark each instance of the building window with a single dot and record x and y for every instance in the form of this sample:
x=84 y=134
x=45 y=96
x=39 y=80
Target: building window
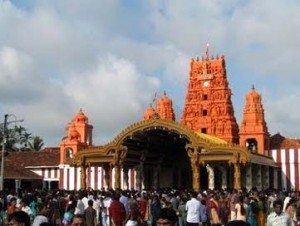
x=205 y=97
x=203 y=130
x=68 y=153
x=204 y=112
x=251 y=145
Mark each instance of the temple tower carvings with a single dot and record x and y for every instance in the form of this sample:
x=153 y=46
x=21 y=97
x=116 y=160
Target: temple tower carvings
x=254 y=131
x=164 y=109
x=208 y=107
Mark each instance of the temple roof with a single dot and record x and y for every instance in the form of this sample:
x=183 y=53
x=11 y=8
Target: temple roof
x=211 y=139
x=18 y=164
x=277 y=141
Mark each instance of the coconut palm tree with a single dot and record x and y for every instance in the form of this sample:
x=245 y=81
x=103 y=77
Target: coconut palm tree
x=24 y=140
x=36 y=143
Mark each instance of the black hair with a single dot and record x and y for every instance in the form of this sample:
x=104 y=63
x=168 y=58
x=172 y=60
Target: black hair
x=45 y=224
x=20 y=217
x=241 y=202
x=167 y=213
x=90 y=202
x=278 y=202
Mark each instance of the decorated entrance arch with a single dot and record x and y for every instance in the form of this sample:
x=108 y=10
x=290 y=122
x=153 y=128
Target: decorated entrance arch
x=156 y=143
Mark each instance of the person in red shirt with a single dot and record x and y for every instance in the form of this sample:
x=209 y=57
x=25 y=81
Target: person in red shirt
x=117 y=211
x=143 y=206
x=12 y=206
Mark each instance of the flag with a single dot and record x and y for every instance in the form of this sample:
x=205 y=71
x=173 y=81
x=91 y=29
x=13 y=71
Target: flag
x=154 y=97
x=207 y=51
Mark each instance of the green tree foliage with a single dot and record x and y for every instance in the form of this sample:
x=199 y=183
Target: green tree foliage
x=18 y=139
x=36 y=143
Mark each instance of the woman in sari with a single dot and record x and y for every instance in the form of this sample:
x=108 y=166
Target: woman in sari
x=240 y=208
x=214 y=210
x=251 y=212
x=261 y=210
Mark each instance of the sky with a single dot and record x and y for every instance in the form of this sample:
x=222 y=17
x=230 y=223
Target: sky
x=110 y=57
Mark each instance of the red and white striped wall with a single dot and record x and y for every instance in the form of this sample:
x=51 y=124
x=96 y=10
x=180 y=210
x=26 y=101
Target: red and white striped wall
x=95 y=178
x=287 y=177
x=48 y=173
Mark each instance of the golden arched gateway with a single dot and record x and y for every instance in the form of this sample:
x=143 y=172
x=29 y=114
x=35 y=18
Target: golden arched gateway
x=161 y=147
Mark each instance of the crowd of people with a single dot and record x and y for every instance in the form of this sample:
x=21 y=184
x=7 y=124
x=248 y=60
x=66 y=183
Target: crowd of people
x=161 y=207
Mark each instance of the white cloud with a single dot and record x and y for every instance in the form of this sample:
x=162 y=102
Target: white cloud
x=109 y=57
x=114 y=93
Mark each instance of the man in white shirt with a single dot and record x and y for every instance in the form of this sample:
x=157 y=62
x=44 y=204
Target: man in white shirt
x=124 y=200
x=193 y=211
x=278 y=217
x=80 y=205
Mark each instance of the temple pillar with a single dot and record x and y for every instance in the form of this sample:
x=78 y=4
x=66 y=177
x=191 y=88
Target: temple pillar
x=157 y=168
x=45 y=184
x=83 y=177
x=156 y=176
x=249 y=177
x=117 y=164
x=117 y=176
x=211 y=177
x=237 y=176
x=196 y=177
x=258 y=177
x=138 y=182
x=265 y=177
x=141 y=169
x=126 y=178
x=193 y=154
x=17 y=185
x=107 y=173
x=224 y=184
x=49 y=185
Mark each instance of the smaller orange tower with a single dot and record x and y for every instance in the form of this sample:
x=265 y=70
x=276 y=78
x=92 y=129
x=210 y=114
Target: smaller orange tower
x=164 y=106
x=253 y=131
x=149 y=113
x=79 y=135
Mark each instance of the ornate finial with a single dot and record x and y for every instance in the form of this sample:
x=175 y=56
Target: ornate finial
x=80 y=110
x=253 y=88
x=165 y=93
x=197 y=58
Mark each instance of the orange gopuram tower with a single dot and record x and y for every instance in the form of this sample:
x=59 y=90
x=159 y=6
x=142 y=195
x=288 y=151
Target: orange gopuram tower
x=79 y=135
x=208 y=107
x=253 y=131
x=164 y=106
